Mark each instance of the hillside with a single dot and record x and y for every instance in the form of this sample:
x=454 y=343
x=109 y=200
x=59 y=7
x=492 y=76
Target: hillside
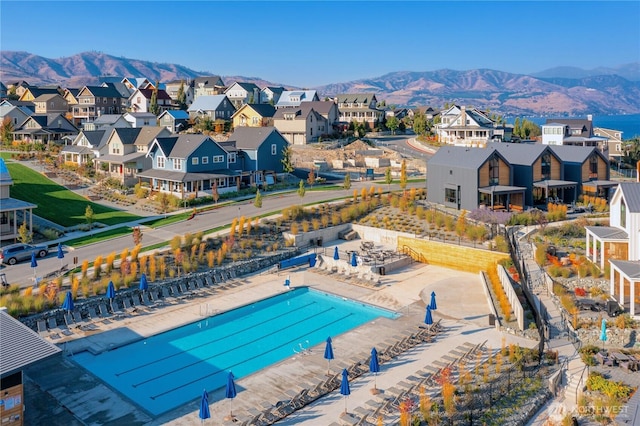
x=553 y=92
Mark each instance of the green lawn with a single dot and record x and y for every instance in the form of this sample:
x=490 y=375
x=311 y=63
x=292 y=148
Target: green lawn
x=56 y=203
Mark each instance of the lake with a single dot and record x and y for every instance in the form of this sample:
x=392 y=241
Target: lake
x=628 y=124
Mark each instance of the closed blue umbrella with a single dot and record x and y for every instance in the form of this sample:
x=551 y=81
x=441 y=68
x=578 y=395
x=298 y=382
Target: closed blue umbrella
x=287 y=282
x=374 y=367
x=230 y=392
x=344 y=387
x=328 y=353
x=336 y=255
x=603 y=332
x=204 y=406
x=428 y=319
x=111 y=293
x=60 y=253
x=67 y=305
x=144 y=285
x=433 y=305
x=34 y=265
x=354 y=261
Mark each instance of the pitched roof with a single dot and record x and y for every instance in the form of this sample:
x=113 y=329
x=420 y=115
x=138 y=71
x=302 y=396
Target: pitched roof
x=148 y=93
x=141 y=115
x=108 y=91
x=127 y=135
x=520 y=154
x=250 y=138
x=208 y=81
x=304 y=95
x=585 y=126
x=274 y=89
x=96 y=137
x=186 y=144
x=249 y=87
x=121 y=88
x=207 y=103
x=461 y=157
x=148 y=134
x=20 y=346
x=46 y=96
x=38 y=91
x=631 y=193
x=264 y=110
x=355 y=98
x=321 y=107
x=572 y=153
x=165 y=144
x=300 y=112
x=178 y=114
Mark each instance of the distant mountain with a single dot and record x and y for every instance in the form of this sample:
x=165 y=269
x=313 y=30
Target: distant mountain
x=550 y=92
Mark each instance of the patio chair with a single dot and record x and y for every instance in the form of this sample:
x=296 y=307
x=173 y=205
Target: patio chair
x=55 y=328
x=155 y=298
x=128 y=307
x=82 y=323
x=68 y=319
x=167 y=297
x=147 y=303
x=104 y=312
x=42 y=328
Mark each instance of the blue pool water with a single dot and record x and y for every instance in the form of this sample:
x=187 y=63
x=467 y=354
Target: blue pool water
x=167 y=370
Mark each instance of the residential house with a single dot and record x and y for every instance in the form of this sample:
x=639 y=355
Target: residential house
x=33 y=92
x=189 y=165
x=127 y=151
x=293 y=98
x=51 y=103
x=254 y=115
x=572 y=131
x=139 y=119
x=216 y=107
x=208 y=86
x=469 y=178
x=261 y=151
x=614 y=140
x=27 y=106
x=107 y=121
x=44 y=128
x=464 y=126
x=360 y=108
x=140 y=100
x=173 y=88
x=13 y=212
x=270 y=94
x=3 y=91
x=329 y=110
x=18 y=87
x=618 y=246
x=87 y=146
x=16 y=115
x=71 y=96
x=240 y=93
x=175 y=120
x=135 y=83
x=300 y=125
x=94 y=101
x=125 y=93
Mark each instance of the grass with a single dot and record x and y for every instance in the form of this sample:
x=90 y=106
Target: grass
x=5 y=155
x=98 y=236
x=58 y=204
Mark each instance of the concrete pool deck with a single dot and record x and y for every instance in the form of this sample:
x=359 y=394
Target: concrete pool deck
x=462 y=307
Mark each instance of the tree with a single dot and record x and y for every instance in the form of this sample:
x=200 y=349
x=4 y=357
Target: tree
x=287 y=154
x=258 y=200
x=163 y=200
x=311 y=178
x=392 y=124
x=347 y=181
x=420 y=124
x=6 y=131
x=214 y=191
x=137 y=235
x=388 y=178
x=301 y=190
x=24 y=235
x=154 y=108
x=403 y=175
x=88 y=215
x=182 y=97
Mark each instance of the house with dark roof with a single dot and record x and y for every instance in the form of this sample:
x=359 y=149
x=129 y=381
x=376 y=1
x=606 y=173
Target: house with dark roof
x=208 y=86
x=293 y=98
x=87 y=145
x=189 y=165
x=574 y=132
x=359 y=108
x=271 y=94
x=94 y=101
x=240 y=93
x=26 y=106
x=532 y=175
x=3 y=90
x=254 y=115
x=471 y=127
x=139 y=119
x=13 y=212
x=51 y=103
x=45 y=129
x=140 y=100
x=216 y=107
x=300 y=125
x=33 y=92
x=17 y=115
x=175 y=120
x=261 y=152
x=618 y=245
x=107 y=121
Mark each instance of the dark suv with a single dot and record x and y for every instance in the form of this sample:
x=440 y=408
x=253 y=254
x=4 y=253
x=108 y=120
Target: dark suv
x=15 y=253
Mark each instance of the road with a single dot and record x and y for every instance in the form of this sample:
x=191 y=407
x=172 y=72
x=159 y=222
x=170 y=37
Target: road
x=23 y=274
x=400 y=144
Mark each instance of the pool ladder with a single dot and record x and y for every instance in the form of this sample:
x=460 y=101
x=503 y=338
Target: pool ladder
x=206 y=310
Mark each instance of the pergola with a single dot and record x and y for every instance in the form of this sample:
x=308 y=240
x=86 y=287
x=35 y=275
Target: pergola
x=504 y=196
x=613 y=243
x=555 y=184
x=625 y=275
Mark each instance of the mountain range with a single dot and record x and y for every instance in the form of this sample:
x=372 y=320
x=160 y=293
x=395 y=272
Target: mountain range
x=557 y=91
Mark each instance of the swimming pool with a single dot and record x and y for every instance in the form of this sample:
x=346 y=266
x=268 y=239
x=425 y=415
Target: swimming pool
x=170 y=369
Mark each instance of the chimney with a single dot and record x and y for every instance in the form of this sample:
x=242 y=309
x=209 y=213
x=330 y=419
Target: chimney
x=463 y=112
x=589 y=117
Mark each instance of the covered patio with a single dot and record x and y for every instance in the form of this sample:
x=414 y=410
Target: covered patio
x=599 y=188
x=625 y=284
x=502 y=197
x=606 y=242
x=191 y=185
x=554 y=191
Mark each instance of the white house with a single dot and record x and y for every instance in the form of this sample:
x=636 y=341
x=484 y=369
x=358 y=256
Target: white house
x=139 y=119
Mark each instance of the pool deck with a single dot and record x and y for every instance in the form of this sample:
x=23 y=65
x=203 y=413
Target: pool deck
x=59 y=387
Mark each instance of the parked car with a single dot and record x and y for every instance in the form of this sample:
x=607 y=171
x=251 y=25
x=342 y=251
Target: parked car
x=15 y=253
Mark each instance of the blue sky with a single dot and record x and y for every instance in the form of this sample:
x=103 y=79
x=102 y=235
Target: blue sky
x=309 y=43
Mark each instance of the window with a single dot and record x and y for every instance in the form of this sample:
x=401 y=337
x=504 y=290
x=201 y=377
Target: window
x=273 y=149
x=545 y=166
x=494 y=171
x=205 y=160
x=450 y=195
x=177 y=164
x=194 y=161
x=160 y=162
x=116 y=148
x=232 y=157
x=623 y=214
x=593 y=167
x=255 y=120
x=618 y=147
x=218 y=158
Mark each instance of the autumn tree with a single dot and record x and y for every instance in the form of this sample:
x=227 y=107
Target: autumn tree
x=89 y=215
x=258 y=200
x=137 y=235
x=388 y=178
x=420 y=124
x=403 y=175
x=347 y=181
x=287 y=160
x=154 y=108
x=25 y=236
x=181 y=97
x=6 y=131
x=311 y=177
x=301 y=190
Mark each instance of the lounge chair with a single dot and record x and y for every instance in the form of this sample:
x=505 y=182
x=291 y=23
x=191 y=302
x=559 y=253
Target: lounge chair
x=155 y=298
x=104 y=312
x=128 y=307
x=82 y=323
x=148 y=303
x=167 y=296
x=42 y=328
x=55 y=328
x=68 y=319
x=139 y=306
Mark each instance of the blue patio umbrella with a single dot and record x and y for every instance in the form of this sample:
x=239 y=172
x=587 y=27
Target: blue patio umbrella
x=328 y=353
x=354 y=261
x=34 y=265
x=67 y=305
x=204 y=406
x=111 y=293
x=433 y=305
x=230 y=392
x=374 y=367
x=60 y=253
x=287 y=282
x=344 y=387
x=603 y=332
x=144 y=285
x=336 y=255
x=428 y=319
